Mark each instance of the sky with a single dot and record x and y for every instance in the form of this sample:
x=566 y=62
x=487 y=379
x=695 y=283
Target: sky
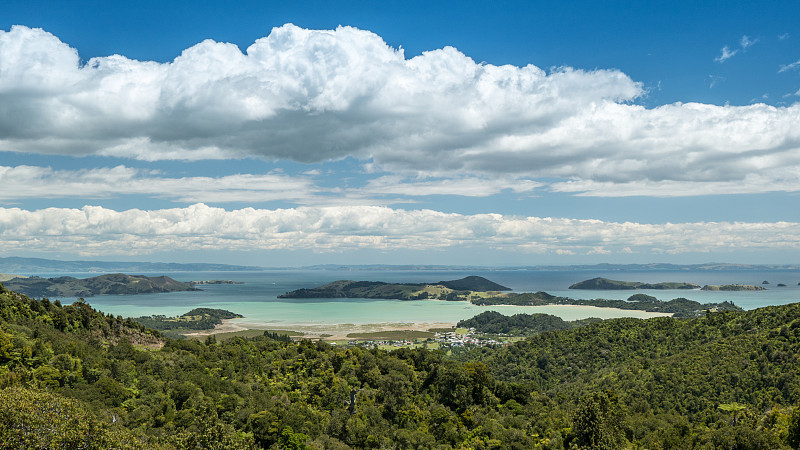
x=455 y=132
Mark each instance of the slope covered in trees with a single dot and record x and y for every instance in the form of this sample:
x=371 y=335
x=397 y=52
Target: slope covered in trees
x=726 y=380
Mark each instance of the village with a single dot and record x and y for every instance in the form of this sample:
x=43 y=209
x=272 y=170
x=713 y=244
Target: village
x=443 y=340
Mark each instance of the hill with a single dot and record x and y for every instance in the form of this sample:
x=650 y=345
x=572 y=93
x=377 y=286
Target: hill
x=72 y=377
x=111 y=284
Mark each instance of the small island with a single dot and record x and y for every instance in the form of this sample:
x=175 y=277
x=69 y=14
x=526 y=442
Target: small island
x=611 y=285
x=732 y=287
x=110 y=284
x=206 y=282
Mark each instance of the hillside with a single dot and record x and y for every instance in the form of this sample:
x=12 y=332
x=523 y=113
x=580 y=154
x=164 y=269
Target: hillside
x=71 y=377
x=111 y=284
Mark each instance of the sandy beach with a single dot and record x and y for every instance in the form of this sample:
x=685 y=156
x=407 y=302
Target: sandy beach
x=324 y=331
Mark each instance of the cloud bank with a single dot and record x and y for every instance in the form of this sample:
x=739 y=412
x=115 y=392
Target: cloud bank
x=318 y=95
x=97 y=231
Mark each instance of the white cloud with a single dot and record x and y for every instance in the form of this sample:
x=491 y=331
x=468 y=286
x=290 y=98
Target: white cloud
x=96 y=231
x=791 y=66
x=18 y=183
x=726 y=54
x=468 y=187
x=753 y=183
x=30 y=182
x=746 y=42
x=311 y=96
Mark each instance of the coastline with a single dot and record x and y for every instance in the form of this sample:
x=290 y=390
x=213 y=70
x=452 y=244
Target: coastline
x=339 y=331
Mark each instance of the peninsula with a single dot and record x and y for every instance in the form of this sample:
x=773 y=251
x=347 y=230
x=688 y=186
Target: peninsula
x=612 y=285
x=110 y=284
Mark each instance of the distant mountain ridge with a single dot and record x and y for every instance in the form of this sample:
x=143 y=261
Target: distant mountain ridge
x=39 y=265
x=572 y=267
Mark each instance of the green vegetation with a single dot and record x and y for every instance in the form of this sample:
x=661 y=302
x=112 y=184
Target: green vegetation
x=74 y=378
x=196 y=319
x=606 y=284
x=249 y=333
x=392 y=335
x=492 y=322
x=679 y=307
x=732 y=287
x=111 y=284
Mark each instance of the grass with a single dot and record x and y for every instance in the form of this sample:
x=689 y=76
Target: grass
x=441 y=330
x=393 y=335
x=244 y=334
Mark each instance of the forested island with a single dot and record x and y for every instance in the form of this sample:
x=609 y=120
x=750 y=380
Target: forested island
x=733 y=287
x=110 y=284
x=71 y=377
x=482 y=292
x=606 y=284
x=460 y=289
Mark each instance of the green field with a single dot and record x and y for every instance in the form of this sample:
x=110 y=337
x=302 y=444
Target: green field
x=392 y=335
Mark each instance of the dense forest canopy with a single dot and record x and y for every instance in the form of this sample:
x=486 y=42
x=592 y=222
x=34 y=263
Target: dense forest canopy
x=72 y=377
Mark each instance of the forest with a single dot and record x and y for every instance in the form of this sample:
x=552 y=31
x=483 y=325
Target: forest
x=72 y=377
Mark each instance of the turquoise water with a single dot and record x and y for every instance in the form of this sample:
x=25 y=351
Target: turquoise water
x=257 y=300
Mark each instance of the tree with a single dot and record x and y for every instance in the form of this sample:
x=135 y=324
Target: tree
x=596 y=422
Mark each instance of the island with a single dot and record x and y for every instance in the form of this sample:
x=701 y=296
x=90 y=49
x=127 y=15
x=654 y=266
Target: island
x=483 y=292
x=462 y=289
x=732 y=287
x=611 y=285
x=205 y=282
x=110 y=284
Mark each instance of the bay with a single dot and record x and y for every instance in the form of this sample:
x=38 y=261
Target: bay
x=257 y=300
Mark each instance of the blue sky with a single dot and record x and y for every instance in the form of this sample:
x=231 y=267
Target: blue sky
x=496 y=133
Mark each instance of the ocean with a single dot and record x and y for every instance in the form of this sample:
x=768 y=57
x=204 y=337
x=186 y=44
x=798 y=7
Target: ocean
x=257 y=300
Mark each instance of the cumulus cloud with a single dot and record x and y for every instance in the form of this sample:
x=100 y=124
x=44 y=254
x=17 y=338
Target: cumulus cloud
x=317 y=95
x=97 y=231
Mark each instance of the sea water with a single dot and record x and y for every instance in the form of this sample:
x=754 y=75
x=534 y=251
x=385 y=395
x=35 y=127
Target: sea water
x=257 y=298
